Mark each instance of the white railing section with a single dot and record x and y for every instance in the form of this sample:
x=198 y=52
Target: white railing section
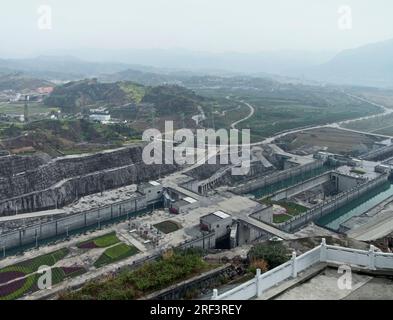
x=324 y=253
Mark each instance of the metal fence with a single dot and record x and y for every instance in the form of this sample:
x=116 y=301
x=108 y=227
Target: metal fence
x=43 y=233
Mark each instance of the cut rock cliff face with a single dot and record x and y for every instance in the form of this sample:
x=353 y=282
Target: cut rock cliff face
x=35 y=183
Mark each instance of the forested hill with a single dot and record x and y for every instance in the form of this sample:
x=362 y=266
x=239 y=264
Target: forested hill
x=173 y=99
x=167 y=99
x=19 y=81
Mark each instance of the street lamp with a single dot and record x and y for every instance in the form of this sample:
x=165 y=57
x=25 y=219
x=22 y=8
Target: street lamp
x=99 y=222
x=36 y=238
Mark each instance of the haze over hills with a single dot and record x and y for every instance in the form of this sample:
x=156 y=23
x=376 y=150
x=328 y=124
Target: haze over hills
x=60 y=67
x=19 y=81
x=169 y=60
x=370 y=65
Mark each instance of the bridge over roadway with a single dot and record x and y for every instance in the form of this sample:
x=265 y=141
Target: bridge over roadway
x=267 y=228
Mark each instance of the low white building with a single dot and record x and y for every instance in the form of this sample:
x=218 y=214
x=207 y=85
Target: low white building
x=153 y=191
x=219 y=222
x=100 y=117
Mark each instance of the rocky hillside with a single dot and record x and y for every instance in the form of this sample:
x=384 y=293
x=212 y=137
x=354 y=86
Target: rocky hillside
x=58 y=182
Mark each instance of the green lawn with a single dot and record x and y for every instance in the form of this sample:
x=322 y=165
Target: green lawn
x=358 y=171
x=293 y=209
x=18 y=108
x=60 y=274
x=281 y=218
x=106 y=240
x=167 y=226
x=114 y=254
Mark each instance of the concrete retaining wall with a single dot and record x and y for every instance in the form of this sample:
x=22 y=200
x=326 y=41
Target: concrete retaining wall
x=277 y=177
x=37 y=233
x=301 y=187
x=332 y=204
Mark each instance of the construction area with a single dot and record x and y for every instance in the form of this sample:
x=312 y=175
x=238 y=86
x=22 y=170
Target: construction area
x=283 y=197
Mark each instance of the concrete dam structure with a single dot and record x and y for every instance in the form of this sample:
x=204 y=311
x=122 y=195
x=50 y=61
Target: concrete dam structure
x=32 y=184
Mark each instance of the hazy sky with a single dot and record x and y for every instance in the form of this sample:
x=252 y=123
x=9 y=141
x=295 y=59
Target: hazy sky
x=206 y=25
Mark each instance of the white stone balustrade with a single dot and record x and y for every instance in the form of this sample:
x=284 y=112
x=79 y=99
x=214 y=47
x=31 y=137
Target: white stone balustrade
x=371 y=260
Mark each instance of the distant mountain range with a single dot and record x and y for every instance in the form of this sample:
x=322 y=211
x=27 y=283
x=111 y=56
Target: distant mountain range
x=19 y=81
x=60 y=68
x=370 y=65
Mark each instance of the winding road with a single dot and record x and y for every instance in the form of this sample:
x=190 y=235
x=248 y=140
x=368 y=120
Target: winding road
x=271 y=139
x=337 y=125
x=252 y=111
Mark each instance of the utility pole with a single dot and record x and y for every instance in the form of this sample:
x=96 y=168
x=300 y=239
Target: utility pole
x=182 y=119
x=26 y=109
x=36 y=238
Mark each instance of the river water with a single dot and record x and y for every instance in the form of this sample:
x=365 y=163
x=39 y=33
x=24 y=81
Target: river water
x=356 y=207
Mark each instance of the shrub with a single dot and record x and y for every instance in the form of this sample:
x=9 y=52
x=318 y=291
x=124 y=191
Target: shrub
x=274 y=253
x=150 y=277
x=258 y=264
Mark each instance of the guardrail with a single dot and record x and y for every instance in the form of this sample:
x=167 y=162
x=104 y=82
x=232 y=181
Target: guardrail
x=370 y=260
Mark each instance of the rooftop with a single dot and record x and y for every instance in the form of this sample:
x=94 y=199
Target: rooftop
x=324 y=286
x=215 y=216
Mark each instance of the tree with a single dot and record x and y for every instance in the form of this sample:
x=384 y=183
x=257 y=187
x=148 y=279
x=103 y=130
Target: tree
x=274 y=253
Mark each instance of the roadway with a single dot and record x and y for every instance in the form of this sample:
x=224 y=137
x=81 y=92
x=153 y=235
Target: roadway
x=251 y=114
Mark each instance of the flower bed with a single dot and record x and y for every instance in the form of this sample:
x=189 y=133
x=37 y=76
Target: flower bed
x=49 y=259
x=10 y=288
x=8 y=276
x=104 y=241
x=16 y=289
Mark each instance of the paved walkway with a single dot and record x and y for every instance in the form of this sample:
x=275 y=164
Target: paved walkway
x=37 y=214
